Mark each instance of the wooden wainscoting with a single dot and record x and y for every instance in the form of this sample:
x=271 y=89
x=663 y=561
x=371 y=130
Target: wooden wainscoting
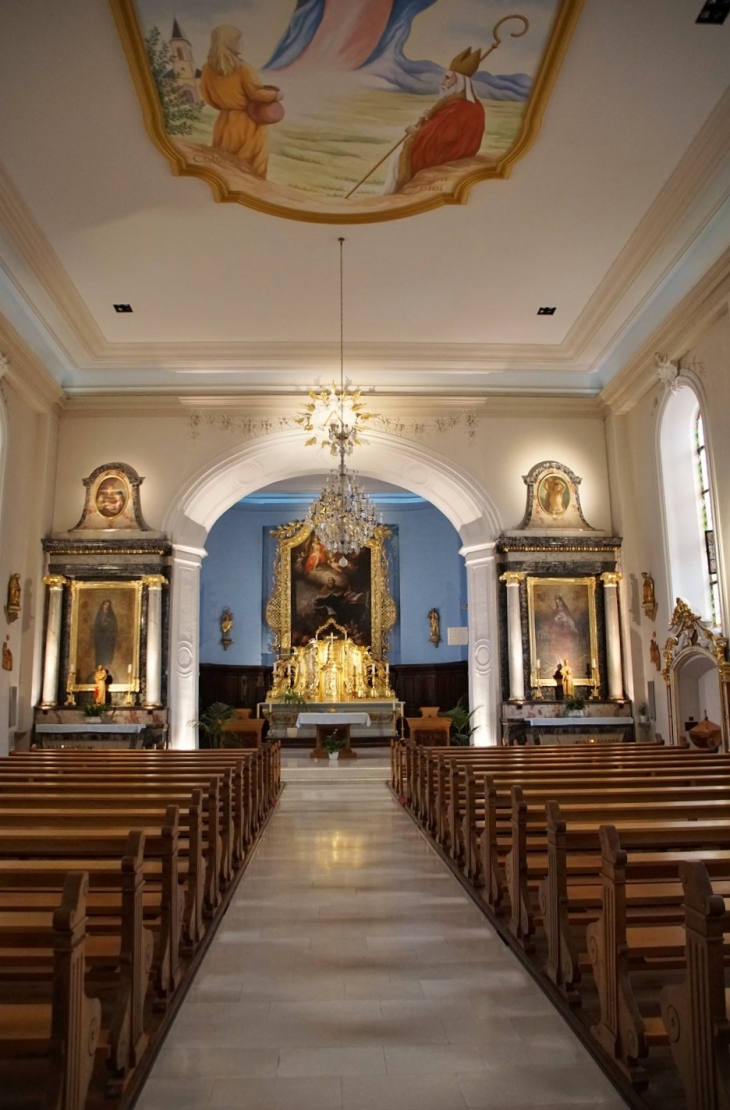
x=440 y=684
x=243 y=687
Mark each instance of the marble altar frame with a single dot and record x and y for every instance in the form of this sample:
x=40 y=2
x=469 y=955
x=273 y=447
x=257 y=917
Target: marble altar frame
x=279 y=606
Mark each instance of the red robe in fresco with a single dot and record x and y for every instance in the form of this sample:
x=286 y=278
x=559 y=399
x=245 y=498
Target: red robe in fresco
x=453 y=129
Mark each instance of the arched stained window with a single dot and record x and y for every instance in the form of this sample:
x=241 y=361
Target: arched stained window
x=707 y=519
x=688 y=505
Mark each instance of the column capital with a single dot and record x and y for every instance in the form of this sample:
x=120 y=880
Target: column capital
x=154 y=581
x=55 y=581
x=611 y=577
x=513 y=577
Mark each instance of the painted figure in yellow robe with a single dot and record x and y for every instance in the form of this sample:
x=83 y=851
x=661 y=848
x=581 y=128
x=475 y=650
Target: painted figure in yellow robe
x=231 y=86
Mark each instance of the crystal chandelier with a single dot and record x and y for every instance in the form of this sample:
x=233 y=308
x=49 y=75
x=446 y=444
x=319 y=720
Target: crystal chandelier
x=343 y=516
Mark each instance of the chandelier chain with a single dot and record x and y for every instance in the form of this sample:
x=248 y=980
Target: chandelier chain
x=343 y=517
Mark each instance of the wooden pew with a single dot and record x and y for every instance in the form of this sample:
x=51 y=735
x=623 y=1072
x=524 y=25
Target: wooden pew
x=65 y=1031
x=36 y=846
x=617 y=946
x=695 y=1012
x=118 y=947
x=57 y=812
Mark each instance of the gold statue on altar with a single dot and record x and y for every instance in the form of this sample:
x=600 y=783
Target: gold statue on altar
x=331 y=667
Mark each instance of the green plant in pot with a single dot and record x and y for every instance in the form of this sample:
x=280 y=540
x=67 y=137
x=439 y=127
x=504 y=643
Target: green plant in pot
x=94 y=709
x=333 y=744
x=574 y=707
x=211 y=721
x=462 y=728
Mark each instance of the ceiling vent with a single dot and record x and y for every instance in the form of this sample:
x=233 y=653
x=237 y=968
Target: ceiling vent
x=714 y=11
x=122 y=308
x=545 y=311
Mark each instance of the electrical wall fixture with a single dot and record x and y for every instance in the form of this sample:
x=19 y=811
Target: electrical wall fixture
x=714 y=11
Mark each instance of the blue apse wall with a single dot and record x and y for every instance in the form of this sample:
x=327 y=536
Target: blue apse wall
x=430 y=572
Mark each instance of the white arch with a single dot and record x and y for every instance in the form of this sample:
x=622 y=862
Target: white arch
x=247 y=468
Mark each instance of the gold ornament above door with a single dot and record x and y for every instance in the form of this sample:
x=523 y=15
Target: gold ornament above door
x=344 y=111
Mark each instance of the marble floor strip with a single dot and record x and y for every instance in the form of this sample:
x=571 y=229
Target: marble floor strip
x=353 y=972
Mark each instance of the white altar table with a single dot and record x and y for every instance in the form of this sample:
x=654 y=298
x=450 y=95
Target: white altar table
x=86 y=730
x=333 y=722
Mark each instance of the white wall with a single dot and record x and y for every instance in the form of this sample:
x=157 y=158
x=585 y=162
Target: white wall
x=637 y=489
x=28 y=486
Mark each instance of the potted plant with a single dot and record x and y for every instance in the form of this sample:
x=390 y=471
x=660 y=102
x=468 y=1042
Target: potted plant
x=333 y=745
x=574 y=707
x=211 y=721
x=644 y=714
x=297 y=704
x=462 y=729
x=93 y=709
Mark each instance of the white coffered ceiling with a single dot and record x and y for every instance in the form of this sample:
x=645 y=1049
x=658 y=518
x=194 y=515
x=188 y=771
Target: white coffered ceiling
x=620 y=207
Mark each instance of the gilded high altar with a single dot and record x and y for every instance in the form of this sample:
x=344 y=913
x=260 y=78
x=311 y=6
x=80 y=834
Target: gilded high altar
x=331 y=668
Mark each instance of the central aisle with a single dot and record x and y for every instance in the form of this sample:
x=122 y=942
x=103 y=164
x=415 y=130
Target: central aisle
x=352 y=971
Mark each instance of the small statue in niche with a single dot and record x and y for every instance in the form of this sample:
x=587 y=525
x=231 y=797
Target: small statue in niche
x=558 y=677
x=435 y=625
x=648 y=599
x=568 y=685
x=101 y=675
x=654 y=653
x=12 y=609
x=226 y=626
x=7 y=656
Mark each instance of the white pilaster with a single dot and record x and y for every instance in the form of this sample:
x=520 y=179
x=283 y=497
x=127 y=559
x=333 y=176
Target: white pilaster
x=153 y=656
x=52 y=655
x=610 y=581
x=484 y=685
x=184 y=645
x=514 y=634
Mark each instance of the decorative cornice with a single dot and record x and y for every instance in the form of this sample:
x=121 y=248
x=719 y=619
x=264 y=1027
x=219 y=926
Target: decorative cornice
x=707 y=299
x=25 y=373
x=701 y=162
x=567 y=406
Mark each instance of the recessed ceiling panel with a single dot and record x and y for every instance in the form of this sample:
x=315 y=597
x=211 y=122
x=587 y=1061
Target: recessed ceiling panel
x=344 y=110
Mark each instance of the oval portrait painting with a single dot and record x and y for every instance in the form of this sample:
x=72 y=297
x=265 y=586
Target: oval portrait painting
x=553 y=495
x=111 y=497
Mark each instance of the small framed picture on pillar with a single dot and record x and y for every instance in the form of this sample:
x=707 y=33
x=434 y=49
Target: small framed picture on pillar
x=105 y=636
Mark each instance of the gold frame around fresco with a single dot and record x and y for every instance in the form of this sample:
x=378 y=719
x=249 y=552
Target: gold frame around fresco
x=133 y=43
x=116 y=687
x=278 y=607
x=590 y=583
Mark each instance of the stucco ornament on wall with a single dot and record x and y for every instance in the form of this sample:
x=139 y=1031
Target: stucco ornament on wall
x=667 y=373
x=112 y=499
x=553 y=500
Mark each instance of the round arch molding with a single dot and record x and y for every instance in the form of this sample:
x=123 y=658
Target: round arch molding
x=279 y=456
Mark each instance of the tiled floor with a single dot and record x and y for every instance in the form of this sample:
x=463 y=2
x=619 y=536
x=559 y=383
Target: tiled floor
x=353 y=972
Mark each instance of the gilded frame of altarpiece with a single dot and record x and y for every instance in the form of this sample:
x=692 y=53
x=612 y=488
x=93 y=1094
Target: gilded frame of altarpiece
x=121 y=636
x=291 y=550
x=562 y=625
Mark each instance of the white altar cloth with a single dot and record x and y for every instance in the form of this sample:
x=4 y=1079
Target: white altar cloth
x=69 y=730
x=361 y=719
x=560 y=722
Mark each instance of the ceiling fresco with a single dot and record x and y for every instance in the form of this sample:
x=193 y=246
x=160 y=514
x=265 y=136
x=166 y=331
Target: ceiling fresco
x=344 y=111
